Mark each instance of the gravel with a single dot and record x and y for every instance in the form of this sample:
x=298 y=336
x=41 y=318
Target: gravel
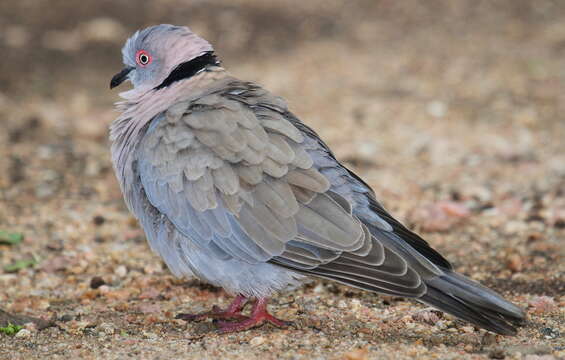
x=451 y=110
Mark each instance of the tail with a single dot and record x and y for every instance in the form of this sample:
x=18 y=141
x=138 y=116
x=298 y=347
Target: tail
x=462 y=297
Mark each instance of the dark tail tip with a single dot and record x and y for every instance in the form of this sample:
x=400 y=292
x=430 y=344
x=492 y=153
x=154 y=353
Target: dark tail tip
x=459 y=296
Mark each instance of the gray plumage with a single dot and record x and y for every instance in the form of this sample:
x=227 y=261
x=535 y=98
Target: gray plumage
x=231 y=187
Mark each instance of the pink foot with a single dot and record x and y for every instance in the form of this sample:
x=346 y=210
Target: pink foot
x=259 y=316
x=233 y=311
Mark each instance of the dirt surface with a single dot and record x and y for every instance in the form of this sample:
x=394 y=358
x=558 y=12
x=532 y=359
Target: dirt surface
x=451 y=110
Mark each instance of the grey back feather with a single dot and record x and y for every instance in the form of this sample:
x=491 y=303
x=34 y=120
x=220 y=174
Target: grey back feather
x=236 y=177
x=223 y=174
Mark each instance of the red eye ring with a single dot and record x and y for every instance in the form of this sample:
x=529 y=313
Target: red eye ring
x=142 y=58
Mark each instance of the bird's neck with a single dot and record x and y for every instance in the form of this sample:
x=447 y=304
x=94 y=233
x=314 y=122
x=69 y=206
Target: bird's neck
x=140 y=107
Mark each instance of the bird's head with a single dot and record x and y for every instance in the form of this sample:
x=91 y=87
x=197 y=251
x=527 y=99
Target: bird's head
x=159 y=55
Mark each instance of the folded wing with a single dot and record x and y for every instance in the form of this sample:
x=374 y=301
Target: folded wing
x=235 y=176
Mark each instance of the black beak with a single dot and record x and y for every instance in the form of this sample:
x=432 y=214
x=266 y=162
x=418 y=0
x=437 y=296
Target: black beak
x=120 y=77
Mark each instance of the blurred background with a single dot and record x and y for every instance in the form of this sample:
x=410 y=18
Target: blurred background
x=452 y=110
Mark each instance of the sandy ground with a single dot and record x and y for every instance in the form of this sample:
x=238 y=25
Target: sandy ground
x=451 y=110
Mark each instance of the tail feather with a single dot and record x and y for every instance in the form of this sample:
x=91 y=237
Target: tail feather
x=459 y=296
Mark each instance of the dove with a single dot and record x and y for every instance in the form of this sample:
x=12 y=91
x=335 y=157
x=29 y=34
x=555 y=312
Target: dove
x=232 y=188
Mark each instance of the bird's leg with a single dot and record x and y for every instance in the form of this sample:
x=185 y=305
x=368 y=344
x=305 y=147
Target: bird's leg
x=233 y=311
x=259 y=316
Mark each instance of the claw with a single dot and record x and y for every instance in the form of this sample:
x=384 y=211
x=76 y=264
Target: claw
x=259 y=316
x=232 y=312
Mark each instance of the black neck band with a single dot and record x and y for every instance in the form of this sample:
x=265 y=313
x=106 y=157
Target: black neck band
x=190 y=68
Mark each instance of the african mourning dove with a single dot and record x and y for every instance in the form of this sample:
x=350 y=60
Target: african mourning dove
x=233 y=188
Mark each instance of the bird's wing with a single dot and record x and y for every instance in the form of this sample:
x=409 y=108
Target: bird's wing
x=366 y=207
x=235 y=176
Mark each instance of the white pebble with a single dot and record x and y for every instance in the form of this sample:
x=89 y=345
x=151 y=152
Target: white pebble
x=107 y=329
x=256 y=341
x=121 y=271
x=319 y=289
x=437 y=109
x=23 y=334
x=355 y=304
x=514 y=227
x=367 y=149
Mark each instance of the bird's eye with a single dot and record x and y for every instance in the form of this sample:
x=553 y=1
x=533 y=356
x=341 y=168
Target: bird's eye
x=143 y=58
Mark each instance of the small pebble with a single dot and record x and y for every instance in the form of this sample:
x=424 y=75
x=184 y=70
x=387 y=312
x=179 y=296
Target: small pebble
x=468 y=329
x=152 y=269
x=319 y=289
x=428 y=316
x=549 y=333
x=436 y=109
x=23 y=334
x=31 y=326
x=515 y=263
x=488 y=339
x=515 y=227
x=150 y=335
x=355 y=305
x=358 y=354
x=106 y=328
x=66 y=317
x=542 y=304
x=497 y=354
x=99 y=220
x=121 y=271
x=367 y=149
x=539 y=357
x=96 y=282
x=256 y=341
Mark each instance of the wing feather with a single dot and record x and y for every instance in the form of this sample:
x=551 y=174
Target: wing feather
x=237 y=175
